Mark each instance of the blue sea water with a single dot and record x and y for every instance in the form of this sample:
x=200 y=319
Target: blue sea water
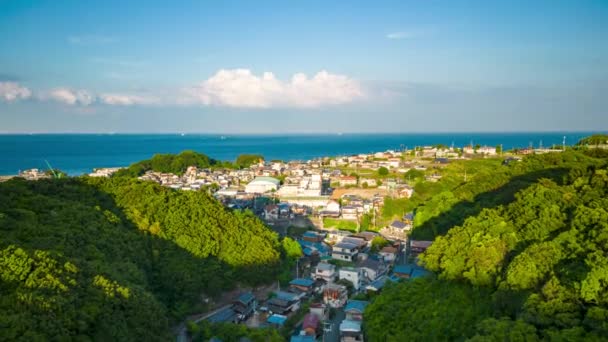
x=80 y=153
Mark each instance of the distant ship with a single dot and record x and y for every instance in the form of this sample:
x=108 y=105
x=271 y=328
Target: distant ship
x=183 y=134
x=223 y=137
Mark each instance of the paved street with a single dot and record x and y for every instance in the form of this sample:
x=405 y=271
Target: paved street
x=334 y=334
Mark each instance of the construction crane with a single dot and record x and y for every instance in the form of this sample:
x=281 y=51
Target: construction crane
x=55 y=174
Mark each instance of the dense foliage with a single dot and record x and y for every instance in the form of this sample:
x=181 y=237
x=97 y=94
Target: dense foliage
x=246 y=160
x=204 y=331
x=118 y=259
x=533 y=247
x=169 y=163
x=594 y=140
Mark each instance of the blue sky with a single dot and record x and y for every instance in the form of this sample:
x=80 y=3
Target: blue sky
x=313 y=66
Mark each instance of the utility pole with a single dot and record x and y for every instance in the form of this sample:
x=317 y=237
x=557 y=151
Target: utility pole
x=465 y=175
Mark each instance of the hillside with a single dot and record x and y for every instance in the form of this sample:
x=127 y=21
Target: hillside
x=118 y=259
x=520 y=254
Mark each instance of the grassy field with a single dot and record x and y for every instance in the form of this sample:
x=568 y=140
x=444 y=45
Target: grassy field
x=340 y=224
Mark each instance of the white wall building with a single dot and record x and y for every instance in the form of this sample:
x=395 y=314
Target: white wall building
x=262 y=185
x=352 y=274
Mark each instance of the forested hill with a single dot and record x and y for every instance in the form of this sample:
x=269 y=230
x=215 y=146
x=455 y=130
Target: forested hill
x=118 y=259
x=532 y=267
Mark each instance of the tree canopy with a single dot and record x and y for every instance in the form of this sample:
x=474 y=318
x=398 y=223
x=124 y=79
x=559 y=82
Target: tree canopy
x=246 y=160
x=119 y=259
x=529 y=245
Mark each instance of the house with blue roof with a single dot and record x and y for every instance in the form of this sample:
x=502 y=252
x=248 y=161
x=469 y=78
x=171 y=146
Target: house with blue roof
x=276 y=320
x=284 y=302
x=354 y=309
x=245 y=305
x=302 y=338
x=409 y=272
x=302 y=285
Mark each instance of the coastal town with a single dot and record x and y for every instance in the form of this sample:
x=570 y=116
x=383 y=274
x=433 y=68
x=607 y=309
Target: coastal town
x=332 y=207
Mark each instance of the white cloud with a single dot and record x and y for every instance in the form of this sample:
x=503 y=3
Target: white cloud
x=241 y=88
x=72 y=97
x=12 y=91
x=127 y=100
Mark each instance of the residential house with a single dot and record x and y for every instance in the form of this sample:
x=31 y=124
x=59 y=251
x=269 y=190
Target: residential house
x=325 y=271
x=349 y=212
x=419 y=246
x=335 y=295
x=354 y=309
x=399 y=227
x=350 y=331
x=372 y=269
x=345 y=251
x=352 y=274
x=301 y=285
x=276 y=321
x=320 y=310
x=361 y=243
x=313 y=236
x=245 y=305
x=271 y=212
x=409 y=272
x=347 y=181
x=403 y=271
x=388 y=253
x=371 y=182
x=284 y=302
x=405 y=191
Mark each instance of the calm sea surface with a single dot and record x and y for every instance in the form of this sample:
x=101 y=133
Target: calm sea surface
x=80 y=153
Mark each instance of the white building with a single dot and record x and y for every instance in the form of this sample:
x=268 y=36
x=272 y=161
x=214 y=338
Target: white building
x=352 y=274
x=326 y=272
x=262 y=185
x=345 y=251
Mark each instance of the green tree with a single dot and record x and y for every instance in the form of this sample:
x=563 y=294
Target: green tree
x=382 y=171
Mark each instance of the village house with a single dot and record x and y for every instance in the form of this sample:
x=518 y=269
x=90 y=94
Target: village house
x=399 y=227
x=350 y=328
x=284 y=302
x=345 y=251
x=352 y=274
x=271 y=212
x=371 y=182
x=372 y=269
x=419 y=246
x=245 y=305
x=349 y=212
x=313 y=236
x=335 y=295
x=388 y=253
x=326 y=272
x=347 y=181
x=301 y=285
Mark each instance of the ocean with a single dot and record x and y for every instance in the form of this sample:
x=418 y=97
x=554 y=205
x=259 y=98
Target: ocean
x=81 y=153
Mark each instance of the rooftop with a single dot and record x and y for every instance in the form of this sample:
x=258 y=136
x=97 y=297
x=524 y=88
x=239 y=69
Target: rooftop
x=266 y=179
x=302 y=282
x=356 y=305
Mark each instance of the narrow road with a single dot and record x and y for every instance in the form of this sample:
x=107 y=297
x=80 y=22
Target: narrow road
x=334 y=323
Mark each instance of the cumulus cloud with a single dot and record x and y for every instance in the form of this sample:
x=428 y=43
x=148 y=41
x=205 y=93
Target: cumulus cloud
x=72 y=97
x=241 y=88
x=126 y=100
x=13 y=91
